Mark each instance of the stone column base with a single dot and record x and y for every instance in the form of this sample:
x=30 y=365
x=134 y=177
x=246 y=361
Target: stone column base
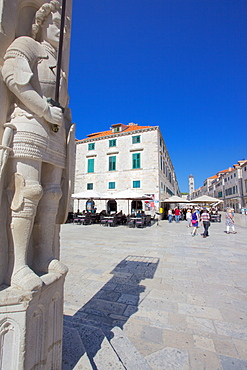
x=31 y=327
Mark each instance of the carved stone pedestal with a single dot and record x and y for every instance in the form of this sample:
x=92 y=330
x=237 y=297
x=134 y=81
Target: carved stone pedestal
x=31 y=327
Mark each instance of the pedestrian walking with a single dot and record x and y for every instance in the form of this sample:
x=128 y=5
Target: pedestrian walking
x=188 y=217
x=195 y=221
x=229 y=221
x=170 y=215
x=205 y=218
x=177 y=214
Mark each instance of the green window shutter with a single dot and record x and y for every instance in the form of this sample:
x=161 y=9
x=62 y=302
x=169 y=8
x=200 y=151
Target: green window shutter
x=90 y=186
x=136 y=184
x=91 y=146
x=112 y=163
x=90 y=165
x=111 y=185
x=136 y=160
x=112 y=142
x=136 y=139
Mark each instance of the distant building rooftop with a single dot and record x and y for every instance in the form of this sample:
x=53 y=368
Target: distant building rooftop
x=224 y=171
x=116 y=128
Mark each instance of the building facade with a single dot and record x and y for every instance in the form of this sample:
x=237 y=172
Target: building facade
x=125 y=157
x=229 y=185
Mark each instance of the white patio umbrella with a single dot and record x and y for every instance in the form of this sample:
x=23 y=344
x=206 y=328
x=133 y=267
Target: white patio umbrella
x=130 y=195
x=206 y=199
x=88 y=194
x=175 y=199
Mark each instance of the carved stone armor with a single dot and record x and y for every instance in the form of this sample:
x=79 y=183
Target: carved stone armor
x=28 y=62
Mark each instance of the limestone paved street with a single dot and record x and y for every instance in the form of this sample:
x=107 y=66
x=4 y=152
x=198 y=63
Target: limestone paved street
x=181 y=301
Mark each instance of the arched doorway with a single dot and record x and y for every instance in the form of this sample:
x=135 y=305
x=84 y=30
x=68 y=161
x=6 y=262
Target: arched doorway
x=136 y=205
x=111 y=206
x=89 y=205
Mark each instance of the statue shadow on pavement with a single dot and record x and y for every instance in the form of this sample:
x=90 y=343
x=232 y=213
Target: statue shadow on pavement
x=111 y=306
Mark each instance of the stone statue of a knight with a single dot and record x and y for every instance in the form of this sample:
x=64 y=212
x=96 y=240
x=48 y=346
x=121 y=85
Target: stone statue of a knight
x=34 y=157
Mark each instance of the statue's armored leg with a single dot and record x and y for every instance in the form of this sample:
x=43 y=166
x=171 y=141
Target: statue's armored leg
x=25 y=195
x=45 y=222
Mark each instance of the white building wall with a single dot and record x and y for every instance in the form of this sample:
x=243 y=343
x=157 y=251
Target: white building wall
x=150 y=175
x=230 y=186
x=244 y=184
x=231 y=189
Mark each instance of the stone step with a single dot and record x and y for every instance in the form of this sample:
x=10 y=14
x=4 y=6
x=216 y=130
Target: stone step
x=126 y=351
x=98 y=349
x=107 y=348
x=74 y=353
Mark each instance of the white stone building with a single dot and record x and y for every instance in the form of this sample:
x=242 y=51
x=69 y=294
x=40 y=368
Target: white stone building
x=125 y=157
x=244 y=183
x=229 y=185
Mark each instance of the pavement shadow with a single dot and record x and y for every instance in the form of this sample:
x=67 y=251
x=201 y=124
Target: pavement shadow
x=112 y=305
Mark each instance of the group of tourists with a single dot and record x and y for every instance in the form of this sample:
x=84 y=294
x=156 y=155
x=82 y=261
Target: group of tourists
x=195 y=215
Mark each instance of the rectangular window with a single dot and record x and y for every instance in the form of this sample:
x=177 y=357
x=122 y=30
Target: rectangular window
x=116 y=129
x=136 y=139
x=112 y=142
x=90 y=165
x=112 y=163
x=161 y=162
x=136 y=160
x=111 y=185
x=136 y=184
x=91 y=146
x=229 y=191
x=90 y=186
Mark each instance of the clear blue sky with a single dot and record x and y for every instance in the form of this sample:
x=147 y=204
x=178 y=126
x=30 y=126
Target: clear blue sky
x=178 y=64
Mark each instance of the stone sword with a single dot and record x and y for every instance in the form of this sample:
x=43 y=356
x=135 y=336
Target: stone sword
x=51 y=101
x=4 y=152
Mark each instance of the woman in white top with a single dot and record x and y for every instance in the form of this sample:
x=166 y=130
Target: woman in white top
x=188 y=217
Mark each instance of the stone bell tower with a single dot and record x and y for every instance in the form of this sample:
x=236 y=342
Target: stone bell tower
x=191 y=184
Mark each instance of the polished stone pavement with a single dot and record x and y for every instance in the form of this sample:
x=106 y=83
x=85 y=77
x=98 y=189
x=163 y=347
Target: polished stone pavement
x=181 y=301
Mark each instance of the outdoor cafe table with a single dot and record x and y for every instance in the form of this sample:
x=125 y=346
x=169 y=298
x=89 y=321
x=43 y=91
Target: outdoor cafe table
x=106 y=219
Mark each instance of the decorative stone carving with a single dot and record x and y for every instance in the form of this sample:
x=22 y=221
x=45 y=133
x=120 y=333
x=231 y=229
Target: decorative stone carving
x=34 y=158
x=36 y=171
x=31 y=328
x=9 y=344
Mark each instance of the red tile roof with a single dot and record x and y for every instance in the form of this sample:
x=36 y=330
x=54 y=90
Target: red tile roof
x=227 y=170
x=129 y=128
